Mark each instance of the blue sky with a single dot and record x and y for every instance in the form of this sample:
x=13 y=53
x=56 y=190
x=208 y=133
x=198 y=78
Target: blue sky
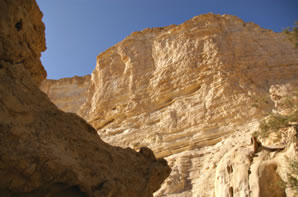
x=78 y=30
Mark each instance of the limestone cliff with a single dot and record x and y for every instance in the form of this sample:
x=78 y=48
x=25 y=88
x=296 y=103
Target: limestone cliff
x=176 y=87
x=195 y=94
x=47 y=152
x=67 y=93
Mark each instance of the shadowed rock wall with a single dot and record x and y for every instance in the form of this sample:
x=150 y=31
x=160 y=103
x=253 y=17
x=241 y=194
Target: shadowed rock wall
x=47 y=152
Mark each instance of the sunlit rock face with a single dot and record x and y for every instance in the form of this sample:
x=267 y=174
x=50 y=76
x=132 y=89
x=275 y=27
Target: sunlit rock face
x=67 y=93
x=47 y=152
x=194 y=93
x=176 y=88
x=185 y=90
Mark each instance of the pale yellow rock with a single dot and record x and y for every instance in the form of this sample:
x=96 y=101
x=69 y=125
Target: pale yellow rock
x=180 y=88
x=67 y=93
x=194 y=93
x=174 y=88
x=285 y=97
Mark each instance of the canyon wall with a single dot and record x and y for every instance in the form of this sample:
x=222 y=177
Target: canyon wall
x=179 y=87
x=195 y=93
x=67 y=93
x=47 y=152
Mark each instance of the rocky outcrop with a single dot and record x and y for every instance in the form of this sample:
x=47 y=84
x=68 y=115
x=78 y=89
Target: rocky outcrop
x=245 y=171
x=44 y=151
x=193 y=93
x=175 y=87
x=67 y=93
x=22 y=36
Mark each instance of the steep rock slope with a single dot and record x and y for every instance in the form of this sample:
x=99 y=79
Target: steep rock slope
x=175 y=87
x=67 y=93
x=193 y=93
x=44 y=151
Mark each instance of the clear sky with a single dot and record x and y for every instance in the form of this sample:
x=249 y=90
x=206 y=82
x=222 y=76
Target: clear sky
x=78 y=30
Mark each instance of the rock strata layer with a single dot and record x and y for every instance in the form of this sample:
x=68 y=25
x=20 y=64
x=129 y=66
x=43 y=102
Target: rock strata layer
x=194 y=93
x=68 y=94
x=47 y=152
x=175 y=88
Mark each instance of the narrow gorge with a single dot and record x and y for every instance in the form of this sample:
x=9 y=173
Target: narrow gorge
x=194 y=94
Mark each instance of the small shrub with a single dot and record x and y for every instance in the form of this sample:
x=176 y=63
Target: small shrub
x=290 y=101
x=293 y=117
x=287 y=102
x=292 y=175
x=255 y=105
x=276 y=122
x=292 y=34
x=259 y=101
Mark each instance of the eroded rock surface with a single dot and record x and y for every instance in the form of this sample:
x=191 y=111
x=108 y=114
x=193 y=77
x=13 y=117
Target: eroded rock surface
x=47 y=152
x=185 y=90
x=22 y=36
x=67 y=93
x=195 y=93
x=176 y=87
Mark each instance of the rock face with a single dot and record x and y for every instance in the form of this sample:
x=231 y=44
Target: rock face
x=22 y=36
x=194 y=93
x=44 y=151
x=67 y=93
x=176 y=87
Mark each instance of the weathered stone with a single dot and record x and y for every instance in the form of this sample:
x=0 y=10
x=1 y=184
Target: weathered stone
x=174 y=88
x=22 y=37
x=47 y=152
x=180 y=88
x=195 y=93
x=67 y=93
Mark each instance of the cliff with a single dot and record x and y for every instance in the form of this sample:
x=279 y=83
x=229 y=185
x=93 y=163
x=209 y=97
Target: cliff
x=67 y=93
x=47 y=152
x=175 y=87
x=195 y=94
